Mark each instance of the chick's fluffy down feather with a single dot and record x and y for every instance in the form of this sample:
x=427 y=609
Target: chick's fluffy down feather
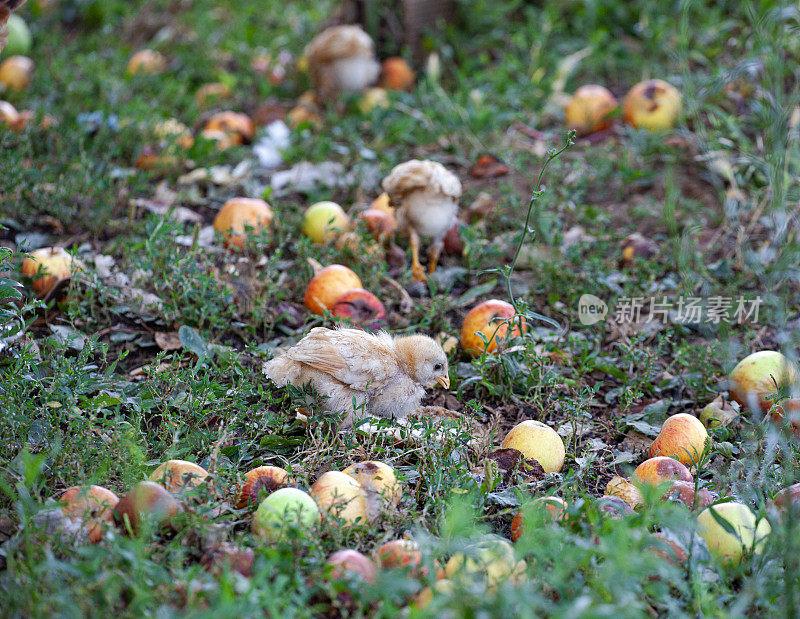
x=346 y=366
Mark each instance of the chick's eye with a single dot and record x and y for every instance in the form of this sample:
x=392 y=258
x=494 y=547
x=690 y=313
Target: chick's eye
x=437 y=367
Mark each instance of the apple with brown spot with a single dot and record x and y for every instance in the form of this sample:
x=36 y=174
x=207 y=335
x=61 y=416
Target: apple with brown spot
x=145 y=501
x=493 y=319
x=755 y=377
x=258 y=482
x=660 y=469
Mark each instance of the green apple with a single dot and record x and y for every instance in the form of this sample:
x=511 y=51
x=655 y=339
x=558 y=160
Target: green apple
x=19 y=37
x=730 y=548
x=323 y=221
x=287 y=505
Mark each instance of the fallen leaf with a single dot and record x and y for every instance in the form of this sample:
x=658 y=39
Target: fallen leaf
x=168 y=341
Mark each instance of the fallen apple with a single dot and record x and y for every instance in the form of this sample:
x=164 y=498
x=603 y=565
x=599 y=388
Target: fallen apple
x=9 y=115
x=748 y=535
x=229 y=129
x=18 y=41
x=16 y=72
x=258 y=482
x=341 y=496
x=684 y=491
x=328 y=286
x=637 y=245
x=380 y=223
x=682 y=437
x=179 y=475
x=47 y=267
x=362 y=308
x=755 y=378
x=789 y=496
x=383 y=203
x=147 y=62
x=347 y=561
x=380 y=484
x=92 y=504
x=396 y=74
x=589 y=108
x=453 y=243
x=653 y=105
x=787 y=413
x=372 y=98
x=539 y=442
x=616 y=506
x=147 y=501
x=668 y=550
x=282 y=507
x=621 y=488
x=229 y=557
x=240 y=217
x=491 y=319
x=303 y=115
x=661 y=469
x=493 y=559
x=400 y=554
x=324 y=221
x=553 y=507
x=717 y=413
x=425 y=597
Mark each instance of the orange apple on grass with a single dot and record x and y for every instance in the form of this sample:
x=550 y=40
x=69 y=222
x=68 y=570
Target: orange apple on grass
x=362 y=308
x=653 y=105
x=755 y=377
x=399 y=554
x=340 y=496
x=384 y=204
x=262 y=480
x=93 y=504
x=492 y=319
x=48 y=266
x=396 y=74
x=147 y=501
x=179 y=475
x=324 y=221
x=659 y=470
x=539 y=442
x=229 y=129
x=240 y=217
x=748 y=534
x=379 y=223
x=682 y=437
x=589 y=108
x=328 y=286
x=16 y=72
x=147 y=62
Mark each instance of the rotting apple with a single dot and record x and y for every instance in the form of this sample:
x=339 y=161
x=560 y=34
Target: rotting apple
x=229 y=129
x=147 y=501
x=363 y=308
x=453 y=243
x=324 y=221
x=425 y=597
x=539 y=442
x=589 y=108
x=92 y=504
x=262 y=480
x=653 y=105
x=749 y=534
x=493 y=559
x=229 y=557
x=682 y=437
x=755 y=377
x=786 y=498
x=661 y=469
x=179 y=475
x=615 y=506
x=396 y=74
x=668 y=549
x=491 y=318
x=147 y=62
x=328 y=286
x=284 y=506
x=47 y=267
x=625 y=490
x=341 y=496
x=400 y=554
x=380 y=484
x=718 y=412
x=787 y=413
x=16 y=72
x=348 y=561
x=240 y=217
x=684 y=491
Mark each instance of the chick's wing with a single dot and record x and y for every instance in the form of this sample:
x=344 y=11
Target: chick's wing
x=353 y=357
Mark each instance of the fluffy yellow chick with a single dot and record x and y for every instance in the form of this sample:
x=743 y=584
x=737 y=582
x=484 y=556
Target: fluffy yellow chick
x=426 y=196
x=6 y=8
x=384 y=376
x=342 y=59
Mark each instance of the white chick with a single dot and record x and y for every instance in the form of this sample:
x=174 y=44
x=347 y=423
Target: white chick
x=342 y=59
x=426 y=196
x=360 y=373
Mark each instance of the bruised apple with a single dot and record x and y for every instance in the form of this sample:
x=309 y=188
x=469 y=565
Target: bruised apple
x=682 y=437
x=147 y=501
x=341 y=496
x=539 y=442
x=755 y=377
x=259 y=481
x=621 y=488
x=491 y=319
x=363 y=308
x=93 y=504
x=347 y=561
x=660 y=469
x=653 y=105
x=328 y=286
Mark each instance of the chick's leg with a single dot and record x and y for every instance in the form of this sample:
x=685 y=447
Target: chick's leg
x=416 y=268
x=433 y=255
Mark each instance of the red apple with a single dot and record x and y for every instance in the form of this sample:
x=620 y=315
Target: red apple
x=259 y=481
x=682 y=437
x=661 y=469
x=362 y=308
x=328 y=286
x=489 y=319
x=145 y=501
x=353 y=562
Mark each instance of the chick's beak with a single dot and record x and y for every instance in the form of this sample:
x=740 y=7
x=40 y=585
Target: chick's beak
x=444 y=381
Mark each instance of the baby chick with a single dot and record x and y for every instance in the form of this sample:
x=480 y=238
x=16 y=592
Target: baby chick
x=426 y=196
x=362 y=373
x=342 y=59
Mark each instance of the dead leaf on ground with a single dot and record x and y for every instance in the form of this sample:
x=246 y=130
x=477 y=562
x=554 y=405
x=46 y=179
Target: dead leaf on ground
x=168 y=341
x=488 y=166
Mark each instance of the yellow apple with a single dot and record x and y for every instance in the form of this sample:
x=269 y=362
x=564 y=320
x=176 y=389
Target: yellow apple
x=682 y=437
x=727 y=547
x=324 y=221
x=653 y=105
x=588 y=109
x=16 y=72
x=538 y=442
x=755 y=376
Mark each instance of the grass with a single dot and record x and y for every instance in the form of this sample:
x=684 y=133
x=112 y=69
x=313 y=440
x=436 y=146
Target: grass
x=89 y=397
